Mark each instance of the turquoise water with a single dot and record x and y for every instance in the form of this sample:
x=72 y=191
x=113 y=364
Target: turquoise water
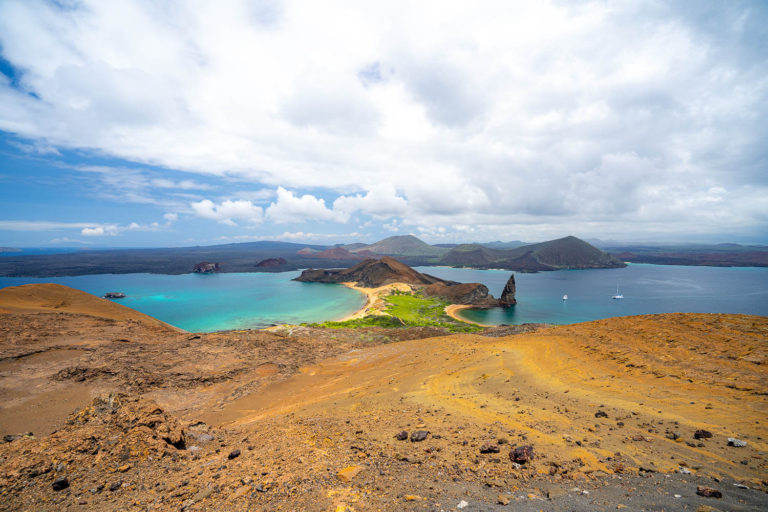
x=212 y=302
x=646 y=289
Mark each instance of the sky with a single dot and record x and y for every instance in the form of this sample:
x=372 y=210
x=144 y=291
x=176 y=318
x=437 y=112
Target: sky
x=145 y=123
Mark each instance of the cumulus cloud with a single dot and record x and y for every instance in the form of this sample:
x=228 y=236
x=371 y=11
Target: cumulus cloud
x=381 y=201
x=227 y=212
x=541 y=116
x=294 y=208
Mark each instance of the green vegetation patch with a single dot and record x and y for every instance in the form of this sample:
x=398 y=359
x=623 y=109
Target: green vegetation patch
x=408 y=310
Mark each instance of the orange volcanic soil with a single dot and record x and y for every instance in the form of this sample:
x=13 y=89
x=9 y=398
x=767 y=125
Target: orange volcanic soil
x=611 y=406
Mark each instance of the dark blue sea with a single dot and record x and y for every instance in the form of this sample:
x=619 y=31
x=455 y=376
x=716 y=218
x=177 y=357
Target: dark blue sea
x=213 y=302
x=646 y=289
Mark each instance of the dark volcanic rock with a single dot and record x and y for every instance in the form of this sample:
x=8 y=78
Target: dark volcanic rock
x=419 y=435
x=708 y=492
x=508 y=294
x=401 y=436
x=521 y=454
x=60 y=483
x=601 y=414
x=206 y=268
x=490 y=448
x=702 y=434
x=114 y=295
x=371 y=273
x=272 y=262
x=475 y=294
x=233 y=454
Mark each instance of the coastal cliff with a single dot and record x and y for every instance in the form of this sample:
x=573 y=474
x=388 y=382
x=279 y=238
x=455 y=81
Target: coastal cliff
x=373 y=273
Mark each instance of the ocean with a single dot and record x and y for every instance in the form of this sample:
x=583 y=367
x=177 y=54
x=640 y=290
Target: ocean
x=646 y=289
x=211 y=302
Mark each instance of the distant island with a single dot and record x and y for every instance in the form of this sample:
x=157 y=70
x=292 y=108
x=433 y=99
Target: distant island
x=564 y=253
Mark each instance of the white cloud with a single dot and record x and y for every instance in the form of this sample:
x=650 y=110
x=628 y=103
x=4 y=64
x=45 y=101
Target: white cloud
x=380 y=201
x=228 y=211
x=542 y=115
x=293 y=208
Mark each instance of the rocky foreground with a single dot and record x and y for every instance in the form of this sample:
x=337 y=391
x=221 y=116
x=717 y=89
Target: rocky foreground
x=642 y=413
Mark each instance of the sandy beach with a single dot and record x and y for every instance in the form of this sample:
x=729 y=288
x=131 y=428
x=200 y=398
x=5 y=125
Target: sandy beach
x=374 y=299
x=453 y=309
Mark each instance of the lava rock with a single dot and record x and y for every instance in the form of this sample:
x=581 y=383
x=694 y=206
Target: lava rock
x=233 y=454
x=60 y=483
x=521 y=454
x=115 y=485
x=601 y=414
x=419 y=435
x=708 y=492
x=702 y=434
x=401 y=436
x=490 y=448
x=738 y=443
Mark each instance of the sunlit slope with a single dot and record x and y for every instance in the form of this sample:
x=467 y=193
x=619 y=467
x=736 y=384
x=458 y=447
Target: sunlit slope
x=651 y=378
x=56 y=298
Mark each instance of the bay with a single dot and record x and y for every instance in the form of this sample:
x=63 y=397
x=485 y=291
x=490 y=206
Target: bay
x=212 y=302
x=646 y=288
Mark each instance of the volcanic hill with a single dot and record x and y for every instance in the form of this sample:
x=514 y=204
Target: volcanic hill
x=565 y=253
x=373 y=273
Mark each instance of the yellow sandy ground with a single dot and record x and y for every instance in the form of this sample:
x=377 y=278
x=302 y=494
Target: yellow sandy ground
x=652 y=376
x=375 y=304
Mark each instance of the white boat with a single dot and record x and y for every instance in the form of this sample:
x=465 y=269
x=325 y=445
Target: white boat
x=565 y=297
x=618 y=295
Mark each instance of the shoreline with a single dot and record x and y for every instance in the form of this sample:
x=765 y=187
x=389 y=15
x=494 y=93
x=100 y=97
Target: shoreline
x=374 y=302
x=452 y=311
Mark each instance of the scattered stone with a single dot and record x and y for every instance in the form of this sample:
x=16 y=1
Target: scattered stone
x=462 y=504
x=708 y=492
x=684 y=471
x=348 y=473
x=707 y=508
x=738 y=443
x=233 y=454
x=673 y=436
x=521 y=454
x=411 y=497
x=490 y=448
x=419 y=435
x=503 y=500
x=115 y=485
x=60 y=483
x=401 y=436
x=555 y=492
x=702 y=434
x=741 y=486
x=601 y=414
x=123 y=468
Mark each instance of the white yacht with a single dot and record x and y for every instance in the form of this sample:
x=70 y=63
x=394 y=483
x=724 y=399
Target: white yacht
x=618 y=295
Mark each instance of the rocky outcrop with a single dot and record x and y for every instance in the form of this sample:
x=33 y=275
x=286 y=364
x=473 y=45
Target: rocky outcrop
x=206 y=268
x=271 y=262
x=474 y=294
x=371 y=273
x=508 y=294
x=114 y=295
